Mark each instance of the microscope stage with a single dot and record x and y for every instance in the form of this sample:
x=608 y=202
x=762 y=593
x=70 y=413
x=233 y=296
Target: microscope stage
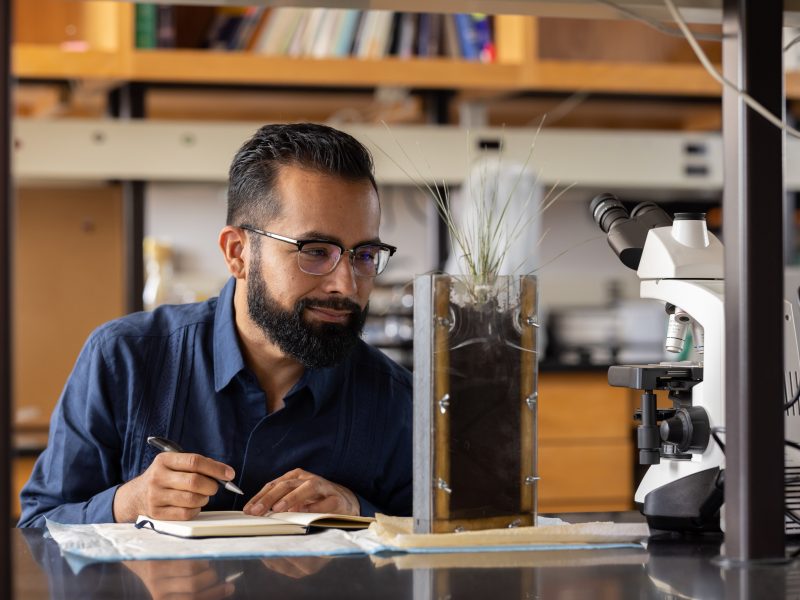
x=661 y=376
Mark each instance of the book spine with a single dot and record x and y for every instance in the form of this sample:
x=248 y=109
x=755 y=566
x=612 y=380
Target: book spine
x=466 y=37
x=165 y=26
x=146 y=18
x=247 y=31
x=484 y=44
x=435 y=36
x=393 y=46
x=344 y=41
x=408 y=28
x=450 y=34
x=383 y=34
x=423 y=35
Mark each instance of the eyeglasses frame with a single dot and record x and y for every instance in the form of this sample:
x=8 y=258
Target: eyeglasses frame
x=301 y=243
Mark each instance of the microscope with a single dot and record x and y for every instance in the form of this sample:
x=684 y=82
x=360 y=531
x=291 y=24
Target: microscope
x=680 y=264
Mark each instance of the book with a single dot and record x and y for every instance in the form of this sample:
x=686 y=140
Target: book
x=254 y=18
x=435 y=36
x=466 y=37
x=423 y=38
x=146 y=18
x=222 y=34
x=322 y=45
x=234 y=523
x=484 y=44
x=346 y=33
x=165 y=26
x=450 y=37
x=378 y=42
x=408 y=34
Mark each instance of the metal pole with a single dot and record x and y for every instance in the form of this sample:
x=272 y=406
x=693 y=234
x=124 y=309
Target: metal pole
x=752 y=226
x=5 y=299
x=128 y=102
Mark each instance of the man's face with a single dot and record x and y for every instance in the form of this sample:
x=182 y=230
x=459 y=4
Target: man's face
x=317 y=319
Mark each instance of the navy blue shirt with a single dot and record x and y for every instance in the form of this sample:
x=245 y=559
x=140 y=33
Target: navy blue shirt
x=178 y=372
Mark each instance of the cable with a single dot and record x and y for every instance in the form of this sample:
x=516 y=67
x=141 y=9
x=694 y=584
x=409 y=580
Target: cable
x=793 y=401
x=710 y=37
x=791 y=43
x=563 y=108
x=720 y=443
x=692 y=38
x=701 y=56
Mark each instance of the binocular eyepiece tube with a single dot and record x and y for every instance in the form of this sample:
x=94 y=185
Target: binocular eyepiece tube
x=627 y=232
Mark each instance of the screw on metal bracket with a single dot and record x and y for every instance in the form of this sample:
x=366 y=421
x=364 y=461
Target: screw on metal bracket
x=531 y=479
x=442 y=485
x=444 y=403
x=442 y=321
x=514 y=523
x=532 y=399
x=531 y=321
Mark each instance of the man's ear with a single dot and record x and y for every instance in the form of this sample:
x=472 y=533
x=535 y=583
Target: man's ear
x=233 y=243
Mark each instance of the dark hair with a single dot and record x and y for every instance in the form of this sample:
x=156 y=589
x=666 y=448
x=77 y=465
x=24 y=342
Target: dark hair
x=251 y=188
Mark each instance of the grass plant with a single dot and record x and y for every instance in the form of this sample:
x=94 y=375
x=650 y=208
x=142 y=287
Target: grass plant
x=483 y=241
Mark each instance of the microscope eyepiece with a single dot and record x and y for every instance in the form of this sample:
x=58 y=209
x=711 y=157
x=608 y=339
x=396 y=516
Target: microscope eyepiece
x=627 y=233
x=651 y=215
x=607 y=210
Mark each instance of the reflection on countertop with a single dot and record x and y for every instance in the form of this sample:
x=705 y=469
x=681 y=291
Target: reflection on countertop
x=666 y=567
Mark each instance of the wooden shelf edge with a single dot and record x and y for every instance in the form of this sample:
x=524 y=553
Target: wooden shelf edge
x=627 y=78
x=51 y=62
x=199 y=66
x=247 y=68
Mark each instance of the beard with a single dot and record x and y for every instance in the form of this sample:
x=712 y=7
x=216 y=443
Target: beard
x=314 y=345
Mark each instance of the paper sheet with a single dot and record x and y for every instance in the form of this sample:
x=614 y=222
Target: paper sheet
x=397 y=533
x=113 y=542
x=122 y=541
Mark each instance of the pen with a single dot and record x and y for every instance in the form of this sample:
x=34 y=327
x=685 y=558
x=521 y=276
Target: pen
x=234 y=576
x=166 y=445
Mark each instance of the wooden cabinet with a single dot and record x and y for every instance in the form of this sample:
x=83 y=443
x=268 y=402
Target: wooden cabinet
x=68 y=279
x=586 y=449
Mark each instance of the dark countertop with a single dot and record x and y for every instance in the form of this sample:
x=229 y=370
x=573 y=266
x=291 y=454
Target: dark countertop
x=668 y=568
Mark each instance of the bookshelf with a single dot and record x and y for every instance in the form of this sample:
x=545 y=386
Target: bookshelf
x=102 y=47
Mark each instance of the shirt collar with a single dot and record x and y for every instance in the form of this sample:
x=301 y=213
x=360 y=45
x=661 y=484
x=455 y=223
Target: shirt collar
x=228 y=359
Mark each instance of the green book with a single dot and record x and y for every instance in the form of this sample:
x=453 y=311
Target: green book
x=146 y=25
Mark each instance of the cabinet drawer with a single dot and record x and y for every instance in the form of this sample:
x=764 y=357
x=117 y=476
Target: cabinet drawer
x=586 y=477
x=583 y=407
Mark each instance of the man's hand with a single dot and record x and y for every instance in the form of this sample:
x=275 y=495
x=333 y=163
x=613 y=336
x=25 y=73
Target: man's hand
x=301 y=491
x=175 y=487
x=181 y=579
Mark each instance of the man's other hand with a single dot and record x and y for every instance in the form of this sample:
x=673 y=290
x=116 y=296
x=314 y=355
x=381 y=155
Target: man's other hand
x=301 y=491
x=175 y=487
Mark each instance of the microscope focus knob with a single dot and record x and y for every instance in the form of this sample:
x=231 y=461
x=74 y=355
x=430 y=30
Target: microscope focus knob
x=688 y=429
x=674 y=431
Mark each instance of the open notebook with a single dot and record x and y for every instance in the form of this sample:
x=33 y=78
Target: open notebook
x=233 y=523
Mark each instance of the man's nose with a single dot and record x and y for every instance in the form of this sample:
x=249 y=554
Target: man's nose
x=343 y=278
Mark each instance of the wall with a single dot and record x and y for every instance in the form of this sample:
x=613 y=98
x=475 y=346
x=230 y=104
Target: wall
x=573 y=260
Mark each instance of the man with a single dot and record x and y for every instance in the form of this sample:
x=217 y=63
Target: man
x=268 y=386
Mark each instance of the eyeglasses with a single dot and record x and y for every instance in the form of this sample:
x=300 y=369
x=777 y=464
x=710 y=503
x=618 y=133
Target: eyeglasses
x=320 y=257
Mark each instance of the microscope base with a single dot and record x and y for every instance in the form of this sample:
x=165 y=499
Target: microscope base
x=689 y=504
